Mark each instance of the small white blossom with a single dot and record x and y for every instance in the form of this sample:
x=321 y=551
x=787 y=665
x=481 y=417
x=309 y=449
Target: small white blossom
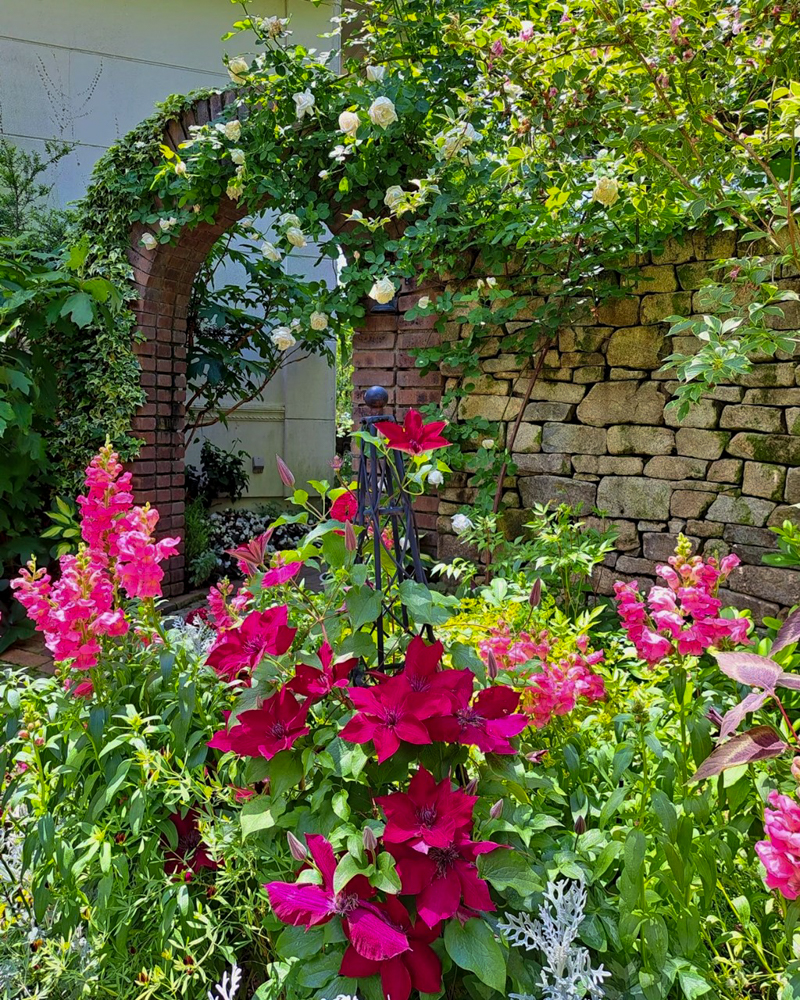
x=461 y=523
x=283 y=338
x=455 y=140
x=234 y=189
x=394 y=196
x=356 y=216
x=275 y=25
x=149 y=242
x=232 y=130
x=424 y=301
x=324 y=175
x=271 y=252
x=383 y=290
x=348 y=123
x=375 y=74
x=304 y=103
x=289 y=219
x=237 y=67
x=180 y=168
x=491 y=282
x=567 y=973
x=487 y=443
x=237 y=155
x=606 y=191
x=167 y=224
x=295 y=236
x=435 y=478
x=318 y=320
x=382 y=112
x=512 y=90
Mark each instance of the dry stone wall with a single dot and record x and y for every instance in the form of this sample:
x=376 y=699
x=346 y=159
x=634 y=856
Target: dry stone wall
x=596 y=431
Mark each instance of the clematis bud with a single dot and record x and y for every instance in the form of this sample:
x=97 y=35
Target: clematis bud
x=580 y=825
x=350 y=541
x=472 y=787
x=535 y=597
x=370 y=840
x=497 y=809
x=796 y=769
x=284 y=472
x=492 y=669
x=297 y=849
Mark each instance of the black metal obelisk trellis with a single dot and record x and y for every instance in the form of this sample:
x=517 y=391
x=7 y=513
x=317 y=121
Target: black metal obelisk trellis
x=384 y=506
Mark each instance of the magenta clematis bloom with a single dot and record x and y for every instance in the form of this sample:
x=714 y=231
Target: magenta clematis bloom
x=428 y=813
x=262 y=633
x=389 y=713
x=487 y=722
x=190 y=853
x=345 y=507
x=780 y=852
x=444 y=877
x=418 y=968
x=281 y=574
x=423 y=674
x=265 y=731
x=303 y=904
x=316 y=684
x=413 y=436
x=250 y=558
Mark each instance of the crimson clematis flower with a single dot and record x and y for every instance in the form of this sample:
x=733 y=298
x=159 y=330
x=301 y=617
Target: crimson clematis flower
x=275 y=577
x=262 y=633
x=190 y=852
x=316 y=684
x=389 y=713
x=487 y=723
x=252 y=556
x=418 y=968
x=422 y=671
x=303 y=904
x=265 y=731
x=428 y=813
x=345 y=507
x=443 y=876
x=414 y=437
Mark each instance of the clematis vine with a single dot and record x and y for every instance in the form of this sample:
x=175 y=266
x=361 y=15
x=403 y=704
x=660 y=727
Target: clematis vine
x=303 y=904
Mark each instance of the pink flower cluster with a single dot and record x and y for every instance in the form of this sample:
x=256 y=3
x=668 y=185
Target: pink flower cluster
x=682 y=617
x=780 y=852
x=510 y=651
x=559 y=686
x=118 y=555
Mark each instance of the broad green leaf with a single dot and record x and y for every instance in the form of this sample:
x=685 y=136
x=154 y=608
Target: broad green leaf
x=473 y=946
x=504 y=869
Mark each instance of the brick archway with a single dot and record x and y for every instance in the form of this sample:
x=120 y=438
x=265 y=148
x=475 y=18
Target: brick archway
x=163 y=279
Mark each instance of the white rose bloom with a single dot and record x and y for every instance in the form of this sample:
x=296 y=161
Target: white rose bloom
x=237 y=155
x=236 y=67
x=234 y=190
x=383 y=290
x=271 y=252
x=606 y=191
x=295 y=236
x=424 y=302
x=512 y=90
x=167 y=224
x=283 y=338
x=149 y=242
x=461 y=523
x=233 y=130
x=180 y=168
x=375 y=74
x=487 y=443
x=382 y=112
x=435 y=478
x=303 y=102
x=288 y=219
x=394 y=195
x=491 y=282
x=456 y=139
x=318 y=321
x=349 y=122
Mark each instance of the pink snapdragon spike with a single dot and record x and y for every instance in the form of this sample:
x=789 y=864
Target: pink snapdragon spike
x=118 y=555
x=780 y=852
x=303 y=904
x=225 y=608
x=265 y=731
x=510 y=651
x=559 y=687
x=683 y=617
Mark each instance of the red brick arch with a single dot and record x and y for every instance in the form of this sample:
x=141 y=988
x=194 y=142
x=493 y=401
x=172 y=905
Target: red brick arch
x=163 y=279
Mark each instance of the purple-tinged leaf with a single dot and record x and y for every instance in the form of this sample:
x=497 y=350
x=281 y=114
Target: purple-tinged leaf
x=789 y=681
x=760 y=743
x=733 y=718
x=789 y=632
x=750 y=669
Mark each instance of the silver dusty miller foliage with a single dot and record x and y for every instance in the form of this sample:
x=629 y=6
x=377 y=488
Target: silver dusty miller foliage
x=227 y=988
x=567 y=973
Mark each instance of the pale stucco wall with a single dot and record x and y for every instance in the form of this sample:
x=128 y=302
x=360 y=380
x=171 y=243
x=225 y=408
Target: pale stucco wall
x=86 y=71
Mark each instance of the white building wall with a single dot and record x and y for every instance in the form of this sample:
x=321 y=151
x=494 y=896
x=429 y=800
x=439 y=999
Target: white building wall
x=86 y=72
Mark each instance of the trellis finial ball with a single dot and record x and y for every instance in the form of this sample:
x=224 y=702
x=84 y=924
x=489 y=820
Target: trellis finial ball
x=376 y=397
